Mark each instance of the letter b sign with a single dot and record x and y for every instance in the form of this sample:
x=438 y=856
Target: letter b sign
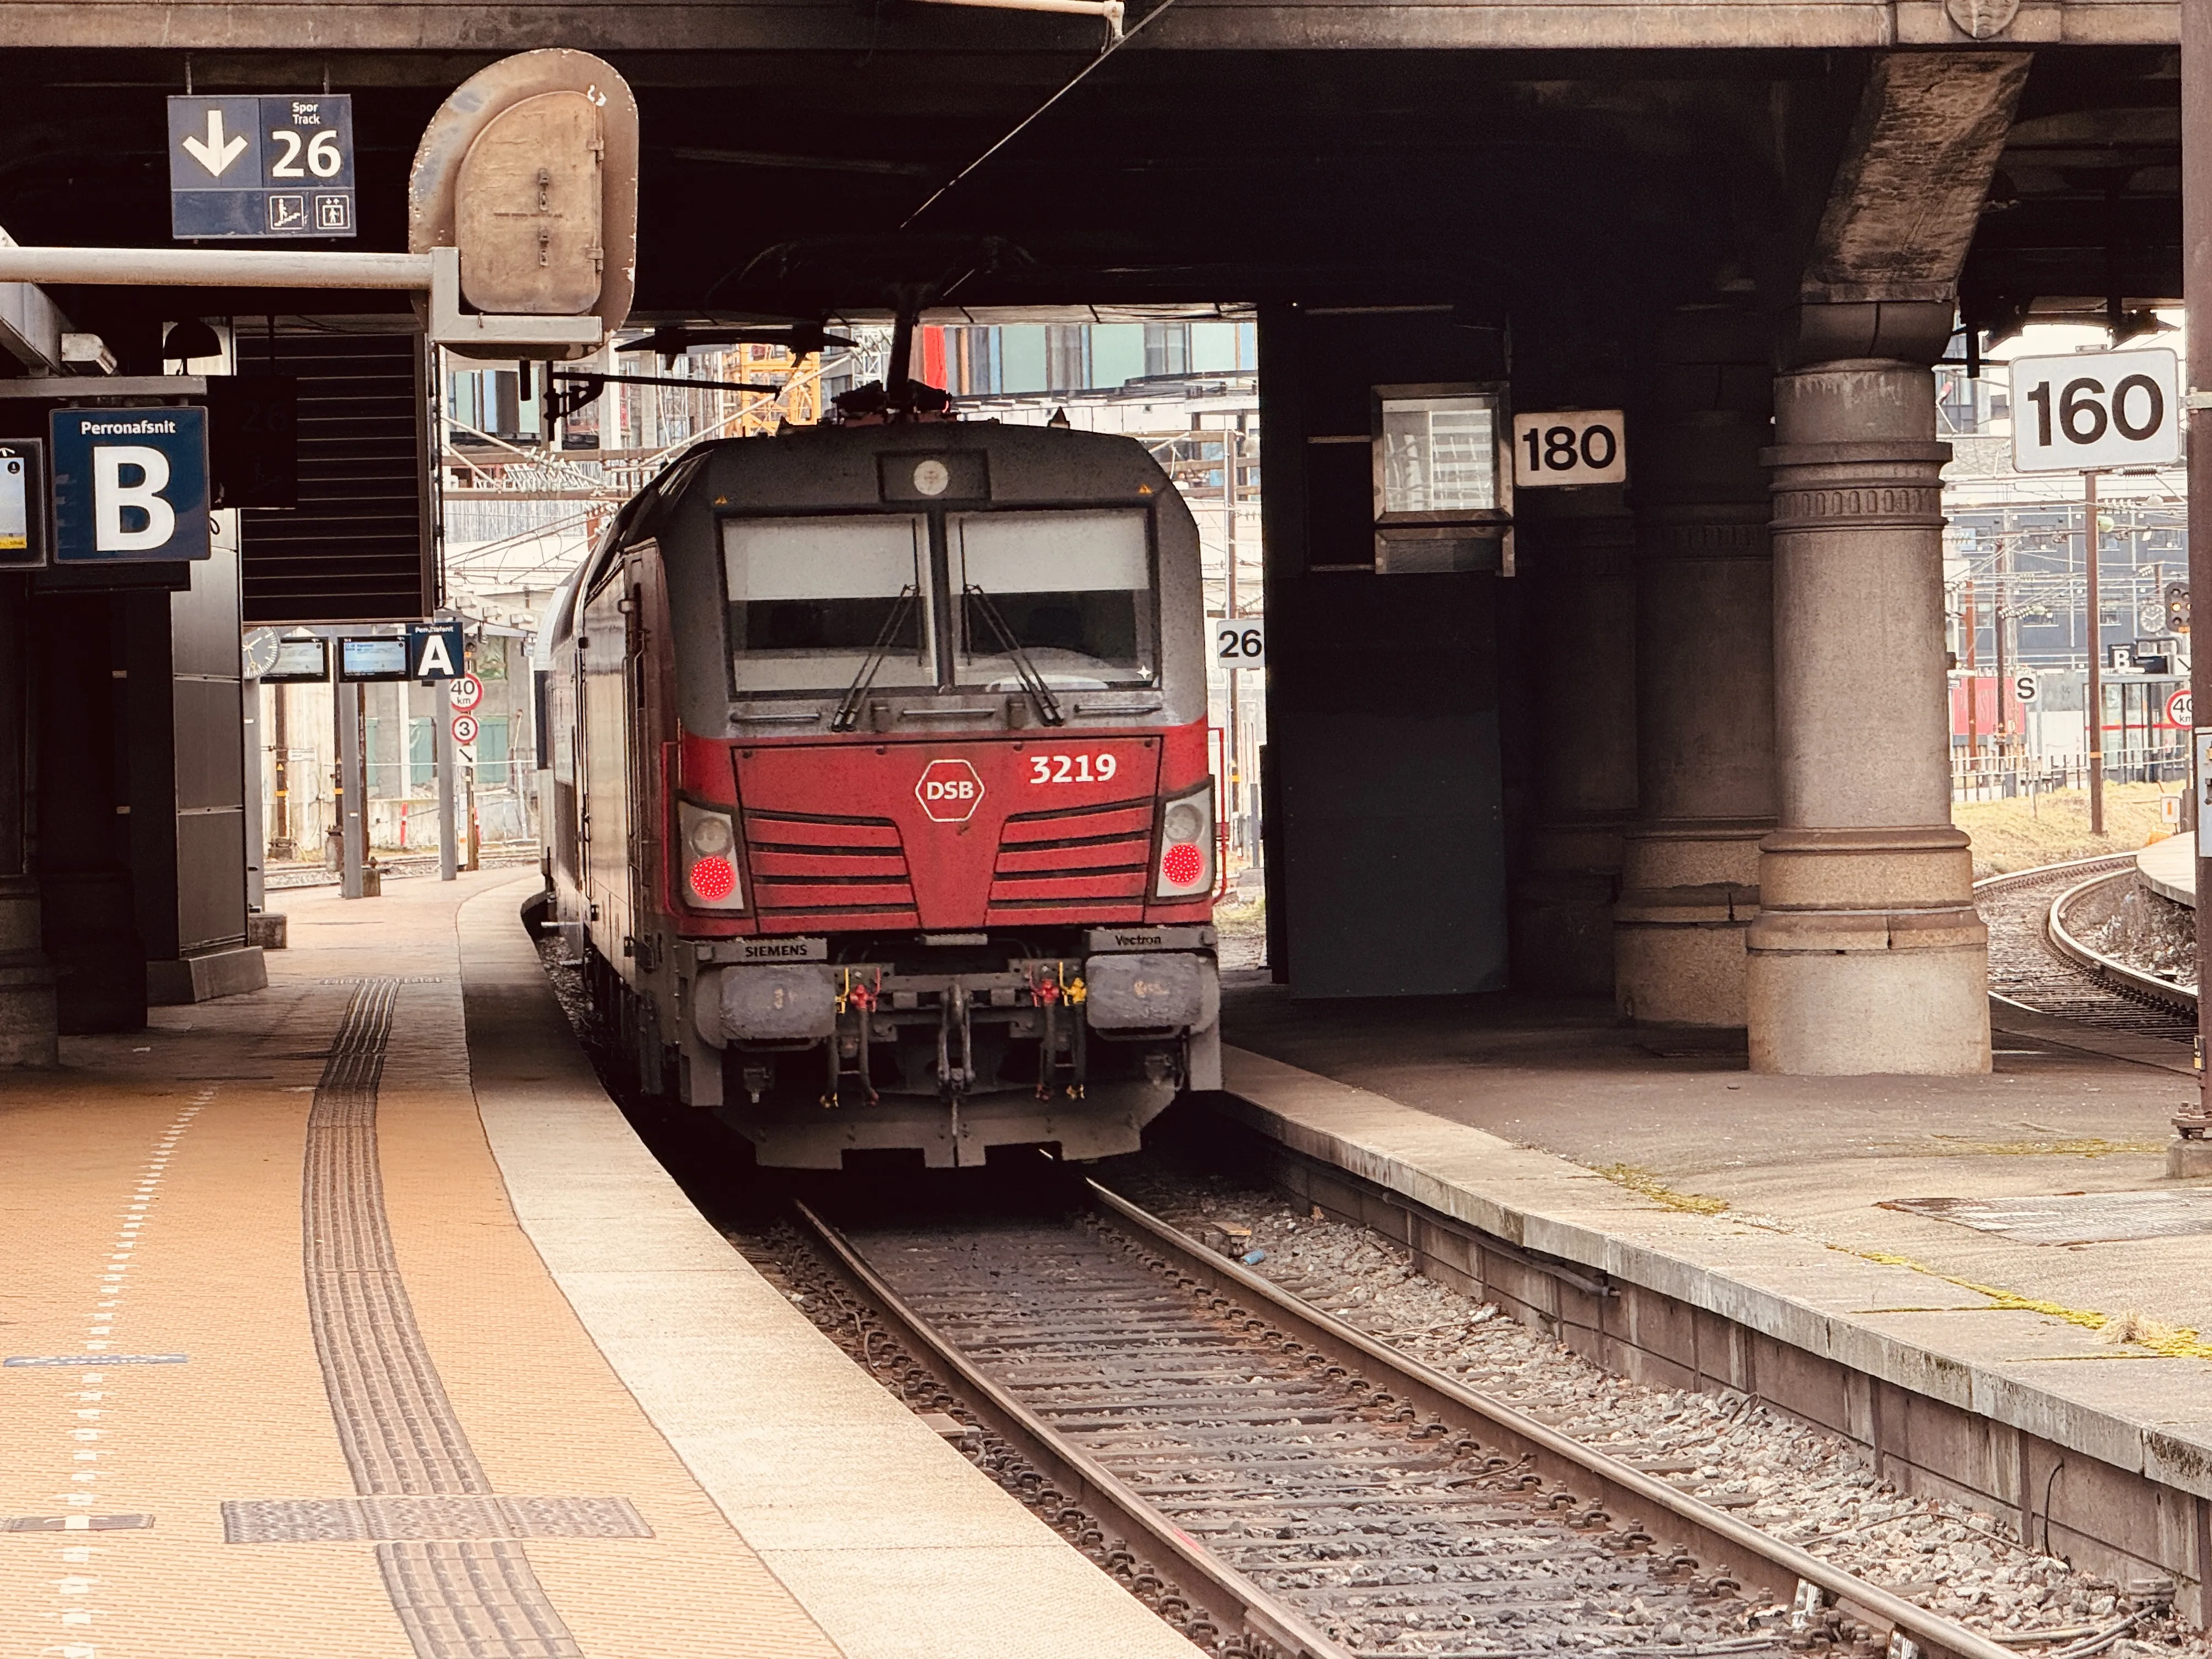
x=130 y=484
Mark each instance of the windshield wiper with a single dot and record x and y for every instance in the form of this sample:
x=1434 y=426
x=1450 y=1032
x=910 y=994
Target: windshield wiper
x=1048 y=705
x=848 y=707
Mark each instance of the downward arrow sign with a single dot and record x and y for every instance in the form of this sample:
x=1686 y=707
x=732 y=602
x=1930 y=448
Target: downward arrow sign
x=216 y=155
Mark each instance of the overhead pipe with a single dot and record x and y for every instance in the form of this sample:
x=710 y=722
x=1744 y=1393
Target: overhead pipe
x=194 y=267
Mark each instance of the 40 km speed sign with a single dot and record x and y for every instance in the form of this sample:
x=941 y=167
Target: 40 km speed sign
x=2096 y=410
x=1569 y=446
x=2181 y=708
x=1239 y=641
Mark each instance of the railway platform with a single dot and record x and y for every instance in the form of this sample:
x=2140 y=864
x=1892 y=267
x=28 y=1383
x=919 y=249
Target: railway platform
x=349 y=1317
x=2169 y=867
x=1978 y=1279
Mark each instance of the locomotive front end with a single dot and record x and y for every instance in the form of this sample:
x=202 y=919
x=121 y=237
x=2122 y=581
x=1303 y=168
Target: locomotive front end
x=941 y=838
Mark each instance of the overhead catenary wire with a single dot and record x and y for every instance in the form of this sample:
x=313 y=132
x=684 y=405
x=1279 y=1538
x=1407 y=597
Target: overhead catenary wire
x=1030 y=119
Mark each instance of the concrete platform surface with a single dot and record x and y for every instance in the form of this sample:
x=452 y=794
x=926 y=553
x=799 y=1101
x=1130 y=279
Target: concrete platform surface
x=340 y=1318
x=2169 y=866
x=1657 y=1156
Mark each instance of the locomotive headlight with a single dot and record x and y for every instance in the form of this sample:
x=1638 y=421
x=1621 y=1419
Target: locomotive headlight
x=707 y=845
x=1186 y=857
x=1182 y=822
x=711 y=833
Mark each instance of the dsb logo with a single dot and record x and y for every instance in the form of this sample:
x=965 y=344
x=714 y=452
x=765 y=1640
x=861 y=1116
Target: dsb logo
x=949 y=791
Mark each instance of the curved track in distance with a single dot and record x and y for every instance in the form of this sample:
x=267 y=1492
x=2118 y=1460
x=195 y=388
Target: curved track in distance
x=2027 y=969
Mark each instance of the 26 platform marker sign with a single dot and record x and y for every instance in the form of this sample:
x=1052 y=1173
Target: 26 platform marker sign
x=1239 y=641
x=2093 y=410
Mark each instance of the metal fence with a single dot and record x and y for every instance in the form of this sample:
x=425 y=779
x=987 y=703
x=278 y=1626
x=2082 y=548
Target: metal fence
x=2004 y=776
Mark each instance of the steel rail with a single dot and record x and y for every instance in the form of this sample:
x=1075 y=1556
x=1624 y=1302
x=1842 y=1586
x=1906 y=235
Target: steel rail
x=1225 y=1594
x=1754 y=1556
x=1751 y=1556
x=2110 y=969
x=2043 y=873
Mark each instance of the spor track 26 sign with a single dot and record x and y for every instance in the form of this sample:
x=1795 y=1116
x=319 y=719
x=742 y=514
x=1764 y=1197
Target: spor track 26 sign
x=251 y=168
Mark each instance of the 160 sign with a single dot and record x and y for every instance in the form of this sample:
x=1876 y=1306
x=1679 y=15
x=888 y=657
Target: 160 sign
x=2095 y=410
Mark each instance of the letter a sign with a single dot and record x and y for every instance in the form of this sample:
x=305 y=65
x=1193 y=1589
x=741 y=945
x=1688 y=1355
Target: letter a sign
x=435 y=650
x=129 y=484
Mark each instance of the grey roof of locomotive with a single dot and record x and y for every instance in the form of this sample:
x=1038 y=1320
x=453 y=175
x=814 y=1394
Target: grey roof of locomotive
x=817 y=469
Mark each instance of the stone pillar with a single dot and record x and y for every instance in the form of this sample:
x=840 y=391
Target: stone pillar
x=1704 y=673
x=26 y=977
x=1866 y=955
x=1576 y=552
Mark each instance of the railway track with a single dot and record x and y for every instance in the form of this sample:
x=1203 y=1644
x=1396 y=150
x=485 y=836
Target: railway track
x=395 y=865
x=2050 y=971
x=1281 y=1485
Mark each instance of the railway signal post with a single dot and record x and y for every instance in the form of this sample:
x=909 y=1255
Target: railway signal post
x=2190 y=1153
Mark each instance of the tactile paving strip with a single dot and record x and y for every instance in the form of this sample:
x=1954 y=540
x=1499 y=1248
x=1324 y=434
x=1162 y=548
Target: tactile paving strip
x=319 y=1520
x=457 y=1599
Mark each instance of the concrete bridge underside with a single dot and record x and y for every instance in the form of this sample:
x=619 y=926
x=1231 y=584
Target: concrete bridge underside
x=1692 y=756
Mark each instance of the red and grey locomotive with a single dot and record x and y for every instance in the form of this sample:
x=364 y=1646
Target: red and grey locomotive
x=881 y=815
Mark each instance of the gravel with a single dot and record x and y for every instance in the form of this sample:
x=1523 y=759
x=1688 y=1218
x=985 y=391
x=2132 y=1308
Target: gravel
x=1794 y=1481
x=2140 y=928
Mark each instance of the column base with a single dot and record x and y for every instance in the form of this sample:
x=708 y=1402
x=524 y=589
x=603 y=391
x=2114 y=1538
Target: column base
x=2186 y=1160
x=1855 y=992
x=1692 y=890
x=27 y=1023
x=1562 y=910
x=1563 y=932
x=1678 y=955
x=202 y=978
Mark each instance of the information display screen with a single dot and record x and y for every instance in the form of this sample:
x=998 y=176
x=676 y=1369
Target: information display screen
x=373 y=659
x=299 y=661
x=23 y=505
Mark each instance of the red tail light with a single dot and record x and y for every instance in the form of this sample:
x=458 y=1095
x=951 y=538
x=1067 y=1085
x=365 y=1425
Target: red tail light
x=1186 y=830
x=707 y=852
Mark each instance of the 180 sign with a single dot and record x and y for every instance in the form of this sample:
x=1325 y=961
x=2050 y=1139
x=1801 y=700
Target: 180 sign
x=2096 y=410
x=1569 y=446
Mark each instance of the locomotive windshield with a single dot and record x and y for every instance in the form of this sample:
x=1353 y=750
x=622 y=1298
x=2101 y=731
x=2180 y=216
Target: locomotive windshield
x=1074 y=590
x=1066 y=596
x=810 y=598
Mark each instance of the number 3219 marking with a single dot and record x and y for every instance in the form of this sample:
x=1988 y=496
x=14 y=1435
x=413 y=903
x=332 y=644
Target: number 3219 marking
x=1072 y=768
